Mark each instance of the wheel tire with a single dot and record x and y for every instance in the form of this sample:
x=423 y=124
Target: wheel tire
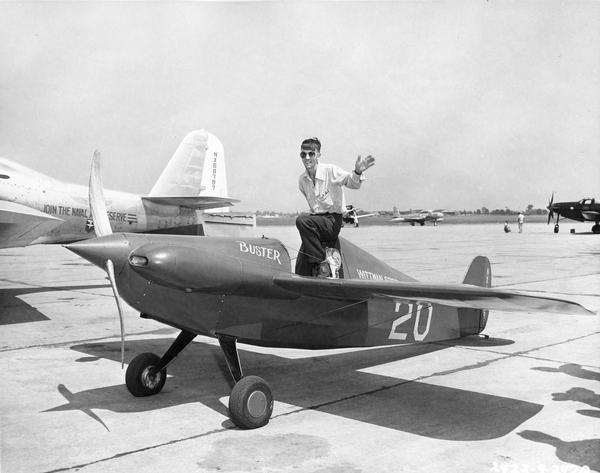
x=596 y=228
x=251 y=403
x=138 y=379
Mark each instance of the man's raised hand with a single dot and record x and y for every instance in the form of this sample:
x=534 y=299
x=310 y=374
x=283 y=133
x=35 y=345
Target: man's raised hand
x=362 y=164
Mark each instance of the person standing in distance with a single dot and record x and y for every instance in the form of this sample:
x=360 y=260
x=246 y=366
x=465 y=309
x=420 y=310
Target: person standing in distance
x=520 y=219
x=322 y=186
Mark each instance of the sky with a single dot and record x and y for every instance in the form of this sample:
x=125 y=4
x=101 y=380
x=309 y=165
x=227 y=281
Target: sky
x=463 y=104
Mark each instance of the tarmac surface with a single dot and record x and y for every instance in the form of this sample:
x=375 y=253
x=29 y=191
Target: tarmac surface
x=527 y=399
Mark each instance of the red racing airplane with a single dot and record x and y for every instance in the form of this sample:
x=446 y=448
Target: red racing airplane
x=583 y=210
x=240 y=289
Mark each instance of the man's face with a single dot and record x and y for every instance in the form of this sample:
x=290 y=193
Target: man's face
x=310 y=157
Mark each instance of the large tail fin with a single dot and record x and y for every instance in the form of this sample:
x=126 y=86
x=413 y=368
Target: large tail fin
x=197 y=168
x=473 y=321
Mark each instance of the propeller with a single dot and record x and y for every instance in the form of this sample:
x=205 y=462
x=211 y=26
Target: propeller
x=550 y=211
x=102 y=228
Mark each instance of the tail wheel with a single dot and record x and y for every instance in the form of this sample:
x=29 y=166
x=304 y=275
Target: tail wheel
x=142 y=379
x=251 y=403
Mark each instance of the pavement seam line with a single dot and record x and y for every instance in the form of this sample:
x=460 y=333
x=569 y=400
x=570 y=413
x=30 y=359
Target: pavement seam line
x=138 y=450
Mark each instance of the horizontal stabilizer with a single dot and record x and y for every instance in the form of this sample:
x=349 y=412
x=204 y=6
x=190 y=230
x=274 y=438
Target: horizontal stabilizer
x=20 y=225
x=201 y=202
x=454 y=295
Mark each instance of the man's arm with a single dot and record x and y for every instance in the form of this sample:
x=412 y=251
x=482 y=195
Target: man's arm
x=353 y=179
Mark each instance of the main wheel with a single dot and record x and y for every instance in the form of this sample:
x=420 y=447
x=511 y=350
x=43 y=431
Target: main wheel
x=556 y=228
x=596 y=228
x=140 y=378
x=251 y=403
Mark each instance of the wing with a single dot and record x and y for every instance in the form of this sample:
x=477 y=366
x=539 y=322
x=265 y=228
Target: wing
x=454 y=295
x=408 y=219
x=196 y=203
x=591 y=214
x=20 y=225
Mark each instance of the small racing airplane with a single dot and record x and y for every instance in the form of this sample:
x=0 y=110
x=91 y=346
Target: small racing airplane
x=239 y=289
x=419 y=216
x=35 y=208
x=584 y=210
x=352 y=216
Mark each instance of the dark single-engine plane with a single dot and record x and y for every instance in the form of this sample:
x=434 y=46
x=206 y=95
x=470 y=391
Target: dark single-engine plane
x=584 y=210
x=242 y=290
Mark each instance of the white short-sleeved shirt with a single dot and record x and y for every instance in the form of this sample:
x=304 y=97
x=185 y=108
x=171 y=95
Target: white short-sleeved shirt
x=326 y=195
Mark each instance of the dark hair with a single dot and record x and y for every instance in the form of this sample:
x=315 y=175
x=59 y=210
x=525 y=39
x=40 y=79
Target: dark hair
x=312 y=143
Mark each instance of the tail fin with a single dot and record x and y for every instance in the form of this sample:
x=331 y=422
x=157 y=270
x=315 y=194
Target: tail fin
x=473 y=321
x=197 y=168
x=479 y=272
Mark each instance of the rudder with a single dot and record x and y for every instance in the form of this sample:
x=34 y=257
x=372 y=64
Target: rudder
x=473 y=321
x=197 y=168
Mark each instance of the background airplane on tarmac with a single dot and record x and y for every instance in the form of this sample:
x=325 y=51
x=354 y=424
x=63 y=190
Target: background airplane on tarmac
x=35 y=208
x=351 y=216
x=585 y=209
x=419 y=216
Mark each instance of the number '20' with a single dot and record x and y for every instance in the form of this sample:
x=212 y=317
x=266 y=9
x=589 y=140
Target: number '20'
x=416 y=310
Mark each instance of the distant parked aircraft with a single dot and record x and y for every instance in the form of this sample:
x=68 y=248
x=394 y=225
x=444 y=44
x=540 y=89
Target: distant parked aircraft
x=35 y=208
x=419 y=216
x=584 y=210
x=351 y=216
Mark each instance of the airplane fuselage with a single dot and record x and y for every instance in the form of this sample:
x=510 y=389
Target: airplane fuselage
x=585 y=209
x=69 y=204
x=231 y=279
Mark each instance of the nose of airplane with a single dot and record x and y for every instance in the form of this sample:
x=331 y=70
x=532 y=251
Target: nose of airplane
x=97 y=250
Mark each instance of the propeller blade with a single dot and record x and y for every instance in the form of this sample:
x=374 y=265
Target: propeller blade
x=550 y=211
x=97 y=204
x=110 y=269
x=102 y=228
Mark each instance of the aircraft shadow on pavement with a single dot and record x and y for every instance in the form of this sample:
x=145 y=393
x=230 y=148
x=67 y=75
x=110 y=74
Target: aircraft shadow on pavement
x=329 y=383
x=579 y=452
x=584 y=396
x=16 y=311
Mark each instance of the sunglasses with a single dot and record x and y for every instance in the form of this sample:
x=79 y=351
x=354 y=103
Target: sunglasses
x=310 y=154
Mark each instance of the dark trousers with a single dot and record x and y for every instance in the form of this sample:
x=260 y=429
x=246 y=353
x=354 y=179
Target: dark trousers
x=316 y=232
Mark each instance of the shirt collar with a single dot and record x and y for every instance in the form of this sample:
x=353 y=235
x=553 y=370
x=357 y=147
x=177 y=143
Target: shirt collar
x=320 y=173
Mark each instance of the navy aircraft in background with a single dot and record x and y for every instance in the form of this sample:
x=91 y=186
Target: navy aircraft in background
x=242 y=290
x=583 y=210
x=418 y=216
x=35 y=208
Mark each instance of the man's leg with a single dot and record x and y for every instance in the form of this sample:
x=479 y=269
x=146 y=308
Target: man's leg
x=315 y=229
x=303 y=267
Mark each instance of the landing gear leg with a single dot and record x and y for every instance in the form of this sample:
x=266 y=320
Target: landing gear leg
x=250 y=401
x=147 y=373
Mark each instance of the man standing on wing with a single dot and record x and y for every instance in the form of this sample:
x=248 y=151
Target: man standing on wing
x=321 y=184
